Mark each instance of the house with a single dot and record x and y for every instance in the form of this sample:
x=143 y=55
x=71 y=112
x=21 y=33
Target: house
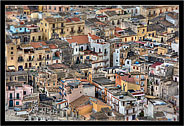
x=159 y=109
x=15 y=91
x=122 y=102
x=67 y=27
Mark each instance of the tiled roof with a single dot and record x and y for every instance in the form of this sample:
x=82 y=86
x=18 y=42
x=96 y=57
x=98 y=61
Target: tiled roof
x=52 y=46
x=127 y=79
x=37 y=44
x=114 y=9
x=94 y=37
x=80 y=39
x=72 y=19
x=118 y=29
x=156 y=64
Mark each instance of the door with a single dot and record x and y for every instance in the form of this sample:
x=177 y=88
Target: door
x=56 y=61
x=11 y=103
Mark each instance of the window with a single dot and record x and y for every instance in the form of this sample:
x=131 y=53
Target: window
x=24 y=92
x=39 y=38
x=53 y=25
x=17 y=103
x=25 y=65
x=11 y=52
x=137 y=82
x=76 y=49
x=137 y=76
x=54 y=8
x=29 y=64
x=45 y=24
x=17 y=95
x=11 y=48
x=81 y=57
x=11 y=58
x=62 y=31
x=127 y=62
x=49 y=7
x=134 y=67
x=48 y=84
x=54 y=83
x=156 y=88
x=33 y=39
x=45 y=30
x=137 y=68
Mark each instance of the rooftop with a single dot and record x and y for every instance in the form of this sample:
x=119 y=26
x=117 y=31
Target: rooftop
x=80 y=39
x=102 y=81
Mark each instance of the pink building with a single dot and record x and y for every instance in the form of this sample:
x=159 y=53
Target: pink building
x=71 y=90
x=15 y=92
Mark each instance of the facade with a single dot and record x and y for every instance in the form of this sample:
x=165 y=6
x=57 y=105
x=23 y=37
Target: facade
x=59 y=27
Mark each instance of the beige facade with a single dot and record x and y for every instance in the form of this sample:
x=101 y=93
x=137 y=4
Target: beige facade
x=154 y=11
x=62 y=27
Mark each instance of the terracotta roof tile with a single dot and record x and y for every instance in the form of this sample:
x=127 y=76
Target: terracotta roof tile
x=52 y=46
x=72 y=19
x=37 y=44
x=126 y=78
x=118 y=29
x=94 y=37
x=80 y=39
x=156 y=64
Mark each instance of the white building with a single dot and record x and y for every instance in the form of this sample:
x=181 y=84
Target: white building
x=123 y=103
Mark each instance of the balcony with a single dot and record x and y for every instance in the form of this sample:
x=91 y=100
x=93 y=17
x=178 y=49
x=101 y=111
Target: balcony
x=20 y=60
x=48 y=58
x=39 y=59
x=79 y=31
x=62 y=32
x=55 y=58
x=30 y=59
x=72 y=32
x=151 y=15
x=14 y=98
x=105 y=54
x=130 y=106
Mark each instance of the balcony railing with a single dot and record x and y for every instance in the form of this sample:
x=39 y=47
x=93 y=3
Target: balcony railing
x=39 y=59
x=130 y=106
x=105 y=54
x=62 y=32
x=79 y=31
x=48 y=58
x=20 y=60
x=72 y=32
x=30 y=59
x=14 y=98
x=55 y=58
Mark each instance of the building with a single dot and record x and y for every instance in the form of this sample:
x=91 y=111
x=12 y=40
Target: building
x=61 y=28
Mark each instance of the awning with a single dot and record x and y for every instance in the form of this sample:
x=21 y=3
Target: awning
x=11 y=67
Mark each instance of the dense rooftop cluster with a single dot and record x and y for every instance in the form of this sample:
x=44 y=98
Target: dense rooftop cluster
x=92 y=63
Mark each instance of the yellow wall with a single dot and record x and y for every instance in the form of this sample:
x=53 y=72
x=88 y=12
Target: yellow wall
x=87 y=109
x=162 y=50
x=129 y=86
x=48 y=30
x=98 y=107
x=36 y=36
